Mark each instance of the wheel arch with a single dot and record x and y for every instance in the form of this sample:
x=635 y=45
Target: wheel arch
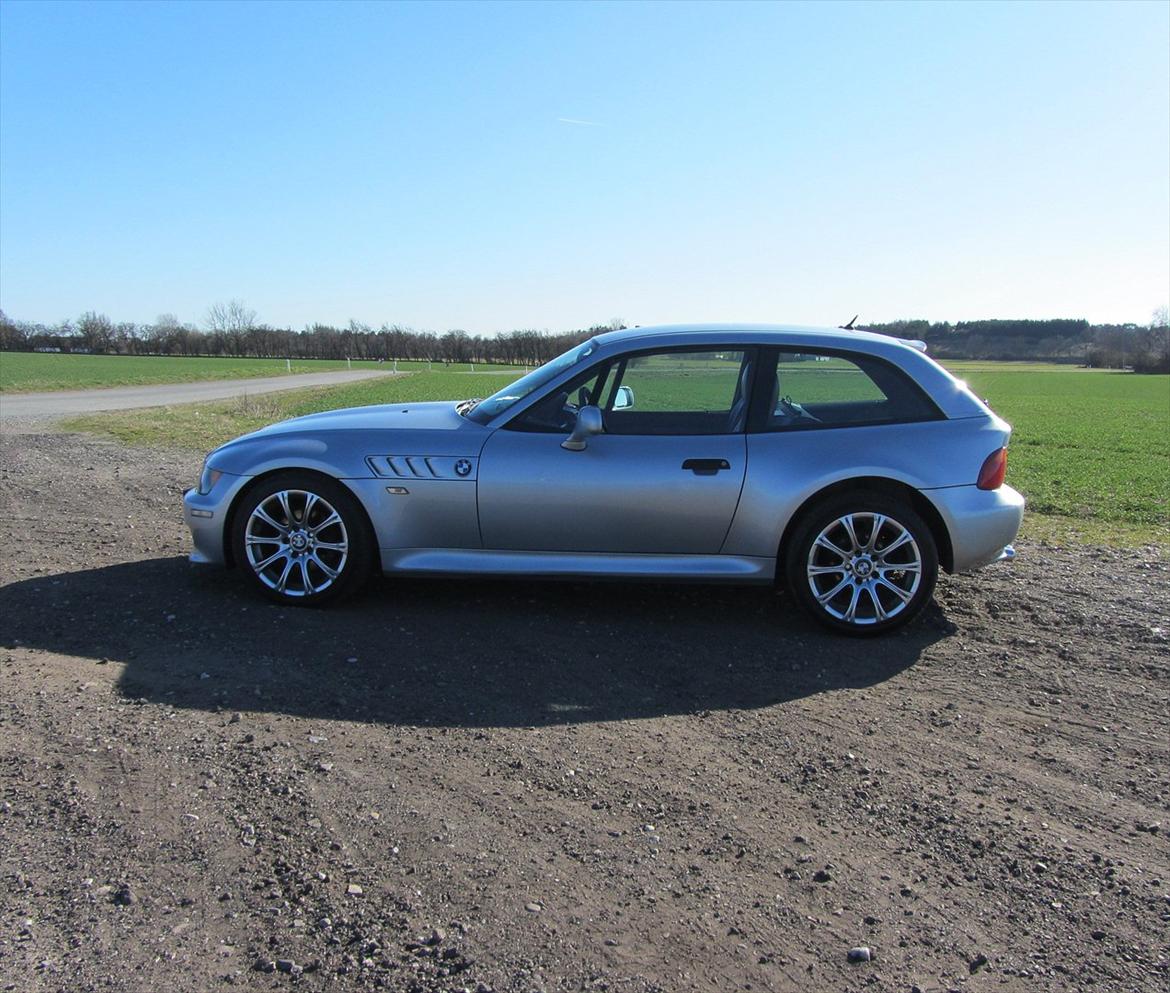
x=229 y=523
x=918 y=502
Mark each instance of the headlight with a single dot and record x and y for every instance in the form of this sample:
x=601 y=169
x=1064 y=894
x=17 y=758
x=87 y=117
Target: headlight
x=207 y=479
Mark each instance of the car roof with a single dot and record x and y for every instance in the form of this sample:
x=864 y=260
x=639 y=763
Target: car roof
x=749 y=331
x=761 y=333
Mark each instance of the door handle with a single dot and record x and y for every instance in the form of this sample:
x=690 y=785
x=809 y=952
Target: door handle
x=706 y=467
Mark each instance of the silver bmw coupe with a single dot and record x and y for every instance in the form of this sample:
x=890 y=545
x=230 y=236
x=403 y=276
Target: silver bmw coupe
x=845 y=465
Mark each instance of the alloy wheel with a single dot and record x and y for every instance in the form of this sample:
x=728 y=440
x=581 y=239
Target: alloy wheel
x=864 y=568
x=296 y=542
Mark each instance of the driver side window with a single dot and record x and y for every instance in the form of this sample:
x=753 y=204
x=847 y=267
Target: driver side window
x=680 y=392
x=557 y=411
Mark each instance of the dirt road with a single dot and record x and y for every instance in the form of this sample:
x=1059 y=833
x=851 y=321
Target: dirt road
x=64 y=403
x=526 y=786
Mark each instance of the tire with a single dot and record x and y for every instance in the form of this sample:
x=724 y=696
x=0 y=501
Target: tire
x=864 y=563
x=302 y=539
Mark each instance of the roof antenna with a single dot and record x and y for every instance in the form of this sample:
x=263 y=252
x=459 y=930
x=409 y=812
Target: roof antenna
x=849 y=326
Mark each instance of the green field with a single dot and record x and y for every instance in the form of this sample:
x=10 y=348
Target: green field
x=30 y=372
x=1090 y=449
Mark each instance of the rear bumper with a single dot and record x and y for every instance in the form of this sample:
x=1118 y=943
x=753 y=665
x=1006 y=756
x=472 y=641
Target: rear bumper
x=982 y=523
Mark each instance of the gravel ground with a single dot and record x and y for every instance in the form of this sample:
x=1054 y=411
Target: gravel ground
x=529 y=786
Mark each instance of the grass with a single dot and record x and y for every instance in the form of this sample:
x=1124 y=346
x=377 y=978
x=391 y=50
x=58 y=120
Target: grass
x=30 y=372
x=1090 y=449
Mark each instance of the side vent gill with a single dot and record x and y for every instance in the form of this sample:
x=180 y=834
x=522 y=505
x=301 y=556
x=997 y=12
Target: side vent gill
x=423 y=467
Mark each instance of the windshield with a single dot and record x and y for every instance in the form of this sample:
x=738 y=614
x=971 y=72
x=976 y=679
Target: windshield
x=500 y=401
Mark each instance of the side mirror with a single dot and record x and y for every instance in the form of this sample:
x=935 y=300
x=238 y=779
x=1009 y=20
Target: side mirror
x=588 y=423
x=624 y=398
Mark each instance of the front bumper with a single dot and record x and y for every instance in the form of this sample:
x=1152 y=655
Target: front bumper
x=206 y=515
x=982 y=523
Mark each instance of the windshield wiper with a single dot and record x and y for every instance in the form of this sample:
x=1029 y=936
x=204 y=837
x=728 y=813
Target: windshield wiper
x=465 y=407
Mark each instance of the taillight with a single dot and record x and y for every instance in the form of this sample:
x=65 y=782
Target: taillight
x=993 y=470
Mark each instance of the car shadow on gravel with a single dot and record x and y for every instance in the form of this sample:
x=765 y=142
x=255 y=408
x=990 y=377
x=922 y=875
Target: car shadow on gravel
x=451 y=653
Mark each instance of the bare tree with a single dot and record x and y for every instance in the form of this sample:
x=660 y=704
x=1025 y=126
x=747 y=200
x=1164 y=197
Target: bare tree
x=97 y=331
x=230 y=316
x=232 y=320
x=13 y=336
x=1155 y=355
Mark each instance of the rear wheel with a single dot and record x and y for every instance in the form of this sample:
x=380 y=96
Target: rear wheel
x=302 y=539
x=863 y=564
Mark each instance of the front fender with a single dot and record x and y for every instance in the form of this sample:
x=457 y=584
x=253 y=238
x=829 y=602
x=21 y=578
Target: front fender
x=336 y=457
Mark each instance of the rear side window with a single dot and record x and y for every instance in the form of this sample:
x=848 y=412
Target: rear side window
x=810 y=390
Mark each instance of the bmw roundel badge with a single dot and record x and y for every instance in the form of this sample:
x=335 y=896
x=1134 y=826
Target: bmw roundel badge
x=462 y=467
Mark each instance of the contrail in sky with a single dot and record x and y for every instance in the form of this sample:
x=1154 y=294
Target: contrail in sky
x=584 y=124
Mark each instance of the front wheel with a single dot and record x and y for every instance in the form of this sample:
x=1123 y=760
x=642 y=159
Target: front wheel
x=865 y=563
x=302 y=539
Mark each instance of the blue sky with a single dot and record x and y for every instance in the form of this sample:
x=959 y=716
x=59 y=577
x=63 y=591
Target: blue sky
x=495 y=166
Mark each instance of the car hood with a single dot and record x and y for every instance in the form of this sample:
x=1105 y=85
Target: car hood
x=338 y=442
x=432 y=416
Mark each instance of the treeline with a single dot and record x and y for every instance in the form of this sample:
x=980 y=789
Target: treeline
x=1143 y=348
x=96 y=334
x=233 y=330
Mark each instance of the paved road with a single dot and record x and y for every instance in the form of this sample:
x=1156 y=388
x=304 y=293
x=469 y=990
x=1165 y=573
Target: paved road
x=65 y=402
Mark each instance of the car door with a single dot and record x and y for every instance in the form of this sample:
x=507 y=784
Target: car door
x=664 y=477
